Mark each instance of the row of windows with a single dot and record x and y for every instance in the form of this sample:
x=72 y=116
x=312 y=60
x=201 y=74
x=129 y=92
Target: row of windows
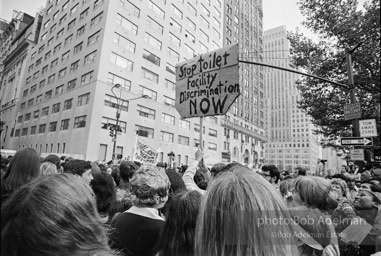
x=85 y=79
x=79 y=122
x=82 y=100
x=40 y=149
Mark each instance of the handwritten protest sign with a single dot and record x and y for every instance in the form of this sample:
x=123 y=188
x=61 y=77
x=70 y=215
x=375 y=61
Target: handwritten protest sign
x=208 y=84
x=144 y=153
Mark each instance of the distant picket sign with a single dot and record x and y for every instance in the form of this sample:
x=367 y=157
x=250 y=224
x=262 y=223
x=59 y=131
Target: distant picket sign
x=208 y=84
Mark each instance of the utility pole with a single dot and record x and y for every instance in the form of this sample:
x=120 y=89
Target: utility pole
x=355 y=122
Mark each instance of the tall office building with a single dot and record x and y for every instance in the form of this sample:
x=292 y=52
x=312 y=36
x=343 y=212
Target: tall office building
x=69 y=98
x=244 y=122
x=17 y=38
x=291 y=142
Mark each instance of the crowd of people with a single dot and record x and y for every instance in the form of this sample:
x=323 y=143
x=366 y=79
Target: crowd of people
x=63 y=206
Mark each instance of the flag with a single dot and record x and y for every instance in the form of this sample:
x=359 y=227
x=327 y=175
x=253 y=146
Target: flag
x=144 y=153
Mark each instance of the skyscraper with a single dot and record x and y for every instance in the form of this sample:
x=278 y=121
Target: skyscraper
x=70 y=98
x=291 y=142
x=244 y=122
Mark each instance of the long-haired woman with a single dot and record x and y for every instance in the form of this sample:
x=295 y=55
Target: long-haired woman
x=24 y=166
x=240 y=215
x=53 y=215
x=177 y=237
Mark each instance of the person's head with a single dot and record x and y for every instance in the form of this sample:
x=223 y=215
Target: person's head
x=161 y=164
x=232 y=214
x=270 y=173
x=127 y=170
x=177 y=183
x=115 y=175
x=366 y=176
x=367 y=200
x=370 y=185
x=150 y=185
x=102 y=167
x=302 y=172
x=344 y=169
x=53 y=215
x=286 y=188
x=80 y=168
x=217 y=168
x=23 y=167
x=177 y=237
x=54 y=159
x=312 y=191
x=104 y=190
x=377 y=173
x=339 y=187
x=199 y=179
x=47 y=168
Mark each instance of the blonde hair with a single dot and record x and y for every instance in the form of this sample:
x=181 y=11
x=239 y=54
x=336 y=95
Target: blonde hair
x=232 y=214
x=313 y=191
x=48 y=168
x=148 y=183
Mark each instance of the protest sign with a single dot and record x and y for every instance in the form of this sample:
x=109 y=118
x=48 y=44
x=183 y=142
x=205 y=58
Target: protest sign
x=208 y=84
x=144 y=153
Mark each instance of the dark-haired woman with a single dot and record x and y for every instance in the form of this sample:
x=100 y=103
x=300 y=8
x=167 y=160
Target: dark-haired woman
x=177 y=237
x=24 y=166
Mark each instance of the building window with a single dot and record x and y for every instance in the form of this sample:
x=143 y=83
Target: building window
x=174 y=39
x=60 y=33
x=173 y=54
x=128 y=25
x=62 y=73
x=167 y=119
x=189 y=50
x=212 y=146
x=83 y=99
x=150 y=75
x=36 y=114
x=150 y=93
x=86 y=78
x=44 y=69
x=54 y=63
x=96 y=20
x=74 y=66
x=212 y=133
x=27 y=116
x=84 y=14
x=30 y=102
x=80 y=121
x=56 y=107
x=114 y=79
x=51 y=78
x=38 y=98
x=146 y=112
x=167 y=136
x=191 y=24
x=48 y=94
x=151 y=57
x=62 y=20
x=176 y=11
x=176 y=25
x=121 y=61
x=81 y=30
x=78 y=48
x=155 y=26
x=192 y=10
x=152 y=41
x=19 y=119
x=68 y=104
x=184 y=124
x=111 y=101
x=145 y=131
x=65 y=55
x=33 y=129
x=71 y=84
x=169 y=85
x=90 y=58
x=69 y=27
x=124 y=42
x=65 y=124
x=93 y=38
x=45 y=111
x=52 y=126
x=59 y=90
x=131 y=8
x=159 y=12
x=169 y=101
x=41 y=128
x=183 y=140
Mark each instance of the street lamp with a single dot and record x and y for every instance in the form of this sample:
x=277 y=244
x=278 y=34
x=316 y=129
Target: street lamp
x=118 y=113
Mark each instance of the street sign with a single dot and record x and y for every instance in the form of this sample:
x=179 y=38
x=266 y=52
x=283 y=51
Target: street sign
x=356 y=141
x=352 y=111
x=357 y=154
x=368 y=128
x=208 y=84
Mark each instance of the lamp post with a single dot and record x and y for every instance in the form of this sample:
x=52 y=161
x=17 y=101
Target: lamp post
x=118 y=114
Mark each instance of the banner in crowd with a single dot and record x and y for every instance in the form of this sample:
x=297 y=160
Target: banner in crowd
x=144 y=153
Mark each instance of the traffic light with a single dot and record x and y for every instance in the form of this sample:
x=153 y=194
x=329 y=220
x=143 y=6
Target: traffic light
x=111 y=132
